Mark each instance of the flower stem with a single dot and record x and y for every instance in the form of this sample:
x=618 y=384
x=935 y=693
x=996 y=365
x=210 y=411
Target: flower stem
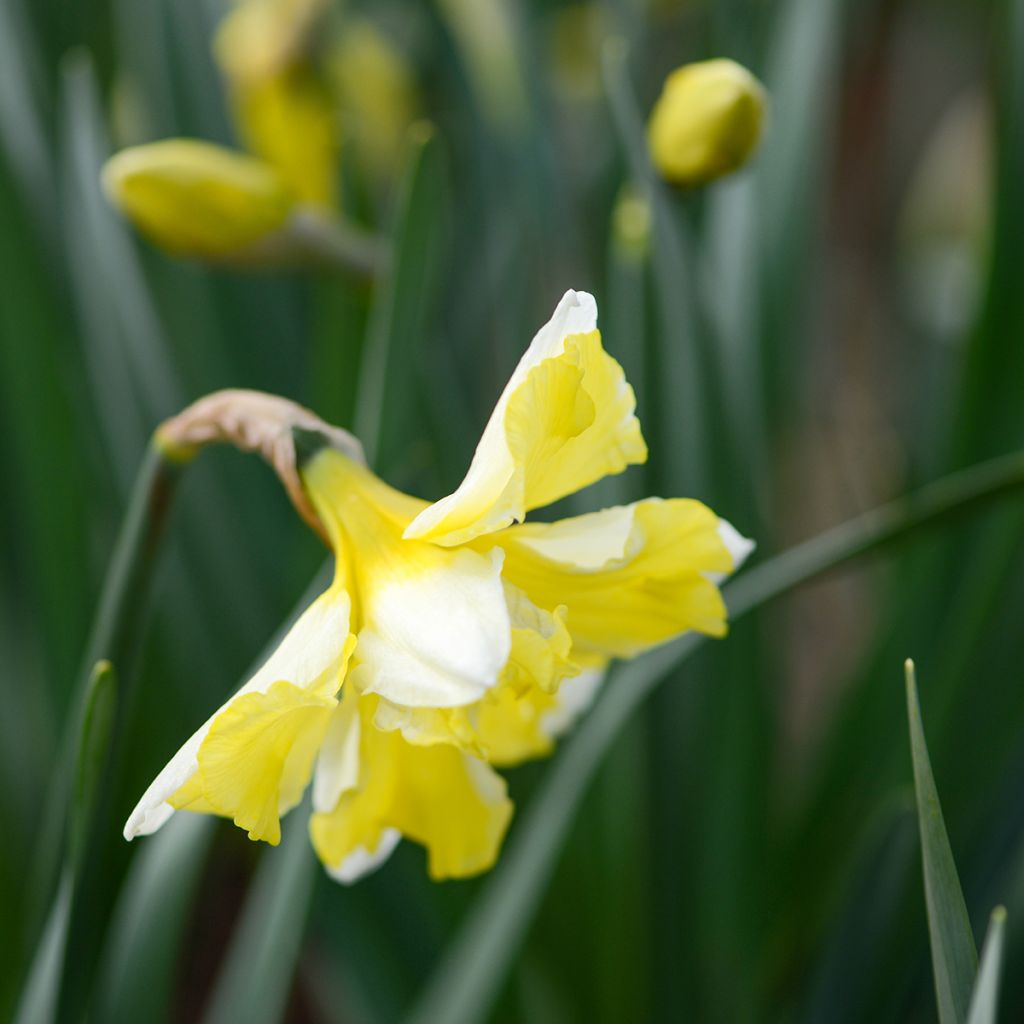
x=472 y=970
x=112 y=636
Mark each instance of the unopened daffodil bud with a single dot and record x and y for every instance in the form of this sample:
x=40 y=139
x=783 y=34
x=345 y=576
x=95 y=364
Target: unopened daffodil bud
x=707 y=122
x=282 y=107
x=197 y=199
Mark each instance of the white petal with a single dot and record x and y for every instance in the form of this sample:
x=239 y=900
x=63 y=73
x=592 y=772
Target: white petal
x=492 y=464
x=575 y=695
x=588 y=542
x=437 y=637
x=153 y=810
x=310 y=649
x=739 y=548
x=337 y=766
x=361 y=862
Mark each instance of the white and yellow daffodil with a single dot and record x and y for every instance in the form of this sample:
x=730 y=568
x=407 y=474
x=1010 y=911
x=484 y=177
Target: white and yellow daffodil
x=455 y=637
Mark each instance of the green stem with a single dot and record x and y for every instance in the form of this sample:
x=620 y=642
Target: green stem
x=471 y=972
x=111 y=637
x=130 y=571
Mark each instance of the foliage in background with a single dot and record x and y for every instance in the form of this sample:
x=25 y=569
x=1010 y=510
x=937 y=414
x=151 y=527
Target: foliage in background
x=830 y=328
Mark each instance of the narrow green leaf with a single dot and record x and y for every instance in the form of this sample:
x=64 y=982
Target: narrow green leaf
x=257 y=974
x=46 y=977
x=141 y=958
x=93 y=743
x=402 y=305
x=681 y=367
x=954 y=958
x=985 y=1000
x=38 y=1003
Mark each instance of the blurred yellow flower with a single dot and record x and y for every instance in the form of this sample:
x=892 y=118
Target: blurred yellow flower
x=707 y=121
x=283 y=109
x=454 y=637
x=198 y=199
x=261 y=38
x=376 y=92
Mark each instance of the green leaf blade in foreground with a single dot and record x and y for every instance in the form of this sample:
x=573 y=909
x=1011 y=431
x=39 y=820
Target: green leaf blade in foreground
x=93 y=741
x=41 y=995
x=985 y=1001
x=954 y=957
x=256 y=978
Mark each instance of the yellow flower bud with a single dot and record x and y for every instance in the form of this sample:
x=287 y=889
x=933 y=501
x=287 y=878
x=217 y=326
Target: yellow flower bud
x=707 y=121
x=284 y=111
x=197 y=199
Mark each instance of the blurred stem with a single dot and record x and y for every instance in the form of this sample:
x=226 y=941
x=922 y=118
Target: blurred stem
x=338 y=244
x=130 y=571
x=471 y=972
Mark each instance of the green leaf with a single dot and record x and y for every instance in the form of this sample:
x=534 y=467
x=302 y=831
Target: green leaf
x=257 y=974
x=140 y=962
x=91 y=759
x=954 y=957
x=402 y=305
x=38 y=1003
x=985 y=1000
x=682 y=368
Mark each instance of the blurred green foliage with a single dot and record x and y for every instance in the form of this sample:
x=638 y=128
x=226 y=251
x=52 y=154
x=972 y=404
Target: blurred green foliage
x=833 y=326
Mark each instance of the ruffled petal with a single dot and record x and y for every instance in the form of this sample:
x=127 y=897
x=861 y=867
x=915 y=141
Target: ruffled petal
x=451 y=803
x=631 y=577
x=565 y=420
x=257 y=758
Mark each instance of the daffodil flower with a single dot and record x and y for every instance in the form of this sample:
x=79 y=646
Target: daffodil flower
x=456 y=637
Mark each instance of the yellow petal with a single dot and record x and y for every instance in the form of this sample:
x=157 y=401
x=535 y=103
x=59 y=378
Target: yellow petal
x=452 y=804
x=630 y=577
x=289 y=120
x=313 y=657
x=198 y=199
x=541 y=655
x=565 y=420
x=258 y=757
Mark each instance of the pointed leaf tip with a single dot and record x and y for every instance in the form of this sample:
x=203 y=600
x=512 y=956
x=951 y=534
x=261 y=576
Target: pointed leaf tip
x=985 y=1000
x=954 y=958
